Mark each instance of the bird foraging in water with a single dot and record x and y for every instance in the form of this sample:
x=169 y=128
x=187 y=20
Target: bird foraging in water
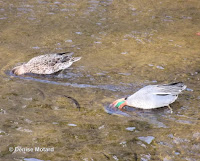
x=46 y=64
x=152 y=96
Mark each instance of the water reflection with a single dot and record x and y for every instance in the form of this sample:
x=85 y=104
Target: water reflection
x=106 y=87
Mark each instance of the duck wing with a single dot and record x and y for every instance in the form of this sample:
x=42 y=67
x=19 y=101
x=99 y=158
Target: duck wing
x=50 y=59
x=154 y=96
x=164 y=89
x=171 y=89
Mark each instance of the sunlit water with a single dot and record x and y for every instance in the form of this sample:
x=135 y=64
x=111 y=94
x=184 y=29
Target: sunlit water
x=124 y=46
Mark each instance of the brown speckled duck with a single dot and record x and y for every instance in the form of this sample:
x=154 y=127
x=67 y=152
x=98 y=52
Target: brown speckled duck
x=46 y=64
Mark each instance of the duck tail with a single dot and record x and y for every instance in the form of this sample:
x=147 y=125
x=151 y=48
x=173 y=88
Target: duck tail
x=74 y=59
x=179 y=84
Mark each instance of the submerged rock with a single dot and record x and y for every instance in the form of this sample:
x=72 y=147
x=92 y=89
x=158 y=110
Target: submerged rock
x=147 y=139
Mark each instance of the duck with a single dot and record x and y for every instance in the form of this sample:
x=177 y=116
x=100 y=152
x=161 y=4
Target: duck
x=46 y=64
x=151 y=97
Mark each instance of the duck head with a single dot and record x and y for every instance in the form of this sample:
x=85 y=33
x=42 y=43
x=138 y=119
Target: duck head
x=19 y=70
x=120 y=103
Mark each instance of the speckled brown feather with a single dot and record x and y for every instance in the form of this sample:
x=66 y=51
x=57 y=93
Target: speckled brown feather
x=46 y=64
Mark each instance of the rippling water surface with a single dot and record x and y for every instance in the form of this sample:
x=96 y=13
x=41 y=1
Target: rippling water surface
x=124 y=46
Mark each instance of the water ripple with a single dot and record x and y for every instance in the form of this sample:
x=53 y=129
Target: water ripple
x=105 y=87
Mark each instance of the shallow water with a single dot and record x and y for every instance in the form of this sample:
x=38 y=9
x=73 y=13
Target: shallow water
x=124 y=45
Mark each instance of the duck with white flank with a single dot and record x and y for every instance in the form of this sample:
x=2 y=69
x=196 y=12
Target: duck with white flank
x=46 y=64
x=152 y=96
